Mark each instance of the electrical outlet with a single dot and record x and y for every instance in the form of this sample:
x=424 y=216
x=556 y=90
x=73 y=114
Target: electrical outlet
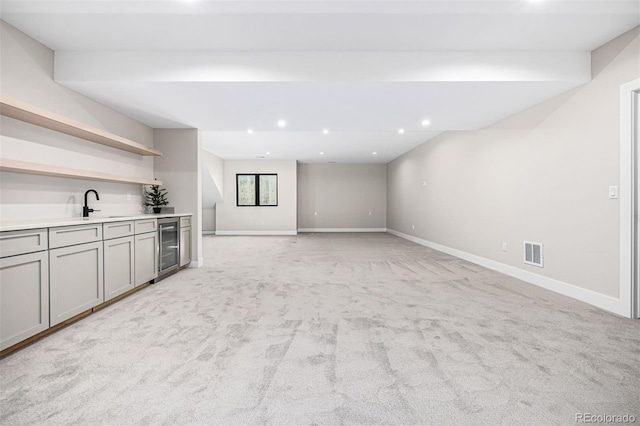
x=369 y=213
x=413 y=227
x=504 y=246
x=128 y=196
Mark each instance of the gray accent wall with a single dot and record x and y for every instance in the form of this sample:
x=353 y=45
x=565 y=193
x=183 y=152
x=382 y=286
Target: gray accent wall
x=26 y=74
x=541 y=175
x=180 y=170
x=342 y=196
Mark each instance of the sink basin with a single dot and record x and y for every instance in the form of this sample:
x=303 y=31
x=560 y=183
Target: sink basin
x=108 y=217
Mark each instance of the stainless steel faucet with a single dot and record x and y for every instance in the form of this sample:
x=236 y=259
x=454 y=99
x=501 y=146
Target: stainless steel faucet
x=85 y=209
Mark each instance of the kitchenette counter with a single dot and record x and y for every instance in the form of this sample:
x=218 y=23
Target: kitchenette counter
x=69 y=221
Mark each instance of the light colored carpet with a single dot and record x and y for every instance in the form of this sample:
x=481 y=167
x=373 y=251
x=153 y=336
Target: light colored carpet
x=329 y=329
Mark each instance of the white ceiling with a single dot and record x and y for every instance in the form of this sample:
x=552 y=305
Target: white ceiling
x=363 y=69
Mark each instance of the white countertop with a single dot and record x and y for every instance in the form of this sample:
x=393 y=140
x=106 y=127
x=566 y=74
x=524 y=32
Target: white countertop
x=68 y=221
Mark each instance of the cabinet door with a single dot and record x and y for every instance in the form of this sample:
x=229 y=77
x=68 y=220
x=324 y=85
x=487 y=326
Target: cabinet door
x=118 y=267
x=185 y=246
x=146 y=258
x=24 y=297
x=76 y=280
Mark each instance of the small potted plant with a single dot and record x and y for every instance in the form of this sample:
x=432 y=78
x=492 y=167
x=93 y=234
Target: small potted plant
x=155 y=197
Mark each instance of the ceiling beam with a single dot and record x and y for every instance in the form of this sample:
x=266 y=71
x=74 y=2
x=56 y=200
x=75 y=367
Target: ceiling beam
x=322 y=66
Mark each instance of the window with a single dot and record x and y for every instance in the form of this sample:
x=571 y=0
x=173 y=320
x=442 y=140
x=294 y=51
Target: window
x=257 y=190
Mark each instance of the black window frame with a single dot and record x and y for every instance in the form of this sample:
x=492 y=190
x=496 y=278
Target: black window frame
x=256 y=176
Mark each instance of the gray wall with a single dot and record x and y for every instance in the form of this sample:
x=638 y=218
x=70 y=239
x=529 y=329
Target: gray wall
x=26 y=74
x=344 y=196
x=231 y=219
x=541 y=175
x=179 y=169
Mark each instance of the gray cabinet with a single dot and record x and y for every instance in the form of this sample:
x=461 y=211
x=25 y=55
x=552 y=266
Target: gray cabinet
x=24 y=297
x=146 y=257
x=119 y=276
x=22 y=242
x=146 y=225
x=51 y=274
x=185 y=246
x=117 y=229
x=75 y=279
x=75 y=234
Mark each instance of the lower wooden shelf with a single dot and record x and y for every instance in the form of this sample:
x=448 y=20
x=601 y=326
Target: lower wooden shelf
x=25 y=167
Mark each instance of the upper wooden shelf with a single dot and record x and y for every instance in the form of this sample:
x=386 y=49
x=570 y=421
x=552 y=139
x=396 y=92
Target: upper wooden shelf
x=49 y=120
x=16 y=166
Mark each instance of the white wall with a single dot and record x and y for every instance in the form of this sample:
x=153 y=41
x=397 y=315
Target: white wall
x=344 y=196
x=26 y=74
x=541 y=175
x=231 y=219
x=212 y=188
x=179 y=170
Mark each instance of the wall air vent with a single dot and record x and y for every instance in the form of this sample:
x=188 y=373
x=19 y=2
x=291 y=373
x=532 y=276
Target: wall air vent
x=533 y=253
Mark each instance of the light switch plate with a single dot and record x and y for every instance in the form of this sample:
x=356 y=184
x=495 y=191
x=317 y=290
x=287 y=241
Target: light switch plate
x=613 y=192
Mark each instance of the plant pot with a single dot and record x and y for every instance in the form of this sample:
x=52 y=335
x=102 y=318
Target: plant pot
x=157 y=209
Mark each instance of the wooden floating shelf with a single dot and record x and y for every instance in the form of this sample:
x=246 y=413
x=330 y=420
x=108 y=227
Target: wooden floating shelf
x=25 y=167
x=30 y=114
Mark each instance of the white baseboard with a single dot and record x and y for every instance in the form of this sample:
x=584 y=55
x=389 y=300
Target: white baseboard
x=342 y=229
x=256 y=233
x=197 y=263
x=208 y=232
x=602 y=301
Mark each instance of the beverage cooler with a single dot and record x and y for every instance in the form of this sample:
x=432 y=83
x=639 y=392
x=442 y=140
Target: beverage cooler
x=169 y=237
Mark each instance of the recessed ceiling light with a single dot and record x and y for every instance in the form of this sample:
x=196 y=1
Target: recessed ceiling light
x=268 y=153
x=425 y=123
x=322 y=153
x=401 y=131
x=250 y=131
x=375 y=153
x=325 y=132
x=282 y=123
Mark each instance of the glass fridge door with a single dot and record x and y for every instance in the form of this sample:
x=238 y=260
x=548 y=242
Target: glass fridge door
x=169 y=245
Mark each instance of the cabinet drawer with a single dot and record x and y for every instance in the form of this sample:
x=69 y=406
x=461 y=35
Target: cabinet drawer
x=21 y=242
x=146 y=225
x=117 y=229
x=185 y=221
x=76 y=234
